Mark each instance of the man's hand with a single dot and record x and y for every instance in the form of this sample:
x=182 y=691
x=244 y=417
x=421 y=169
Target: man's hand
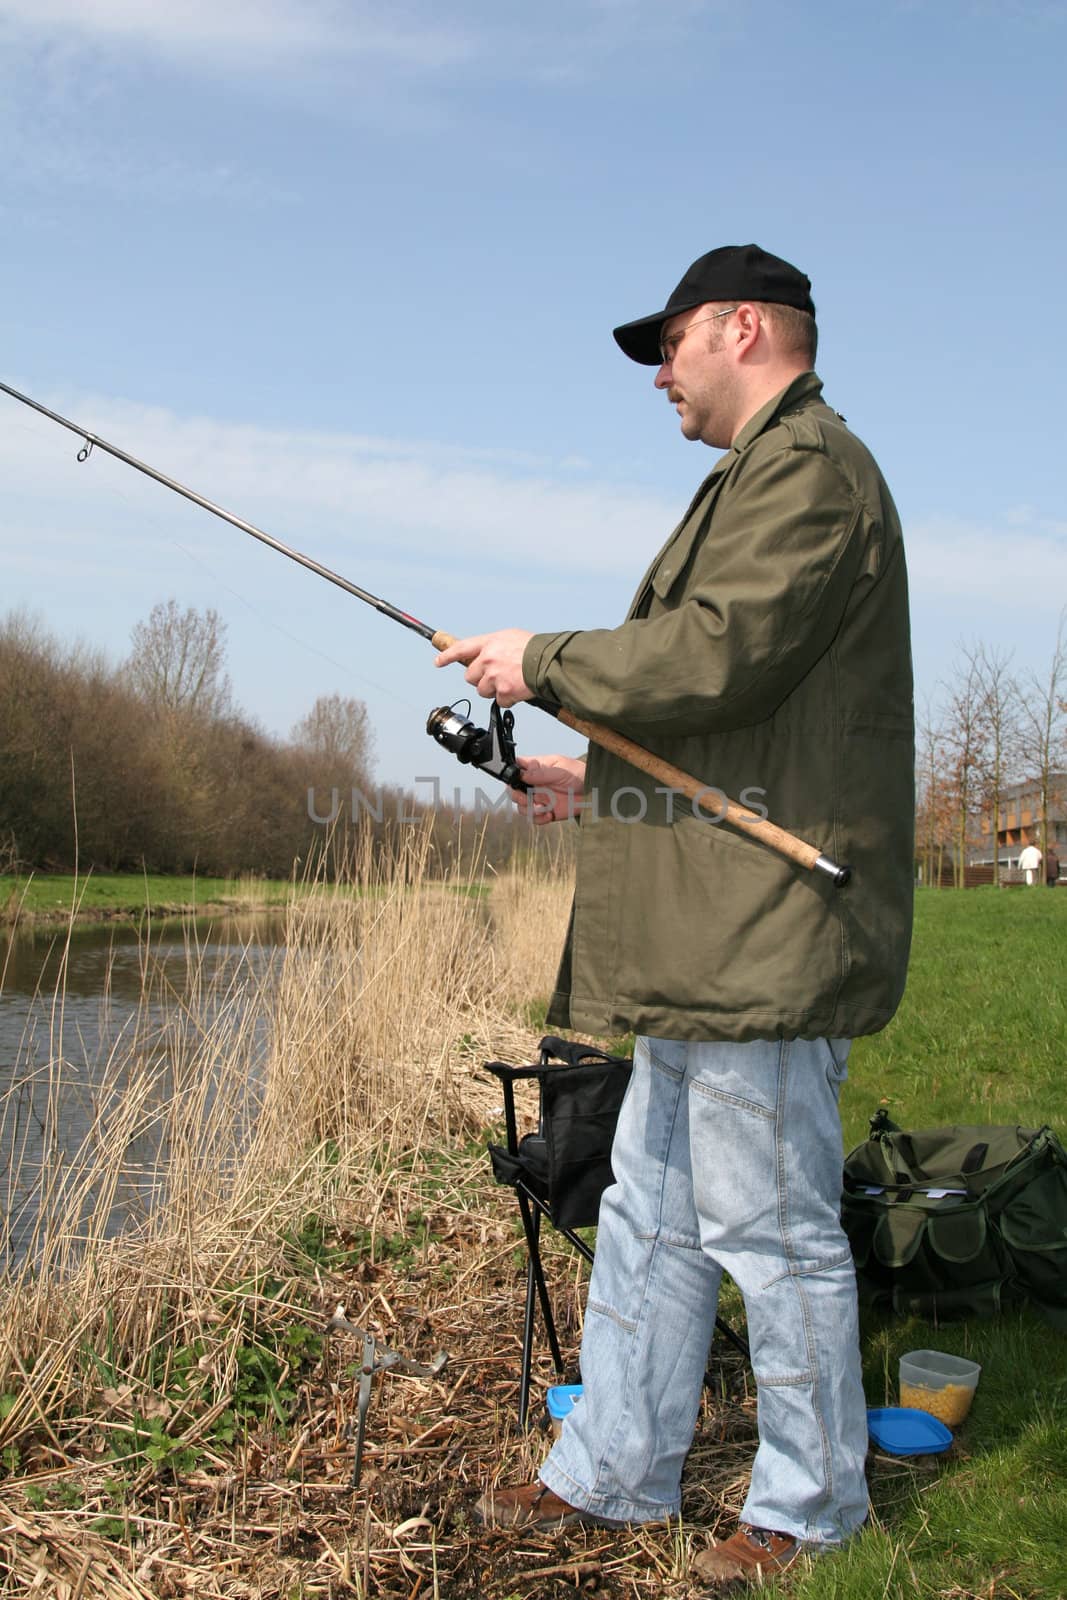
x=494 y=664
x=555 y=792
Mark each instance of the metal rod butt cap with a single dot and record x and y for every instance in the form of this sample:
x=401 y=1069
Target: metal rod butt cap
x=840 y=875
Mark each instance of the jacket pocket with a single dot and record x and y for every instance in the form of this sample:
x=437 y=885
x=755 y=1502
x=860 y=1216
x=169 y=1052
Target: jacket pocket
x=720 y=924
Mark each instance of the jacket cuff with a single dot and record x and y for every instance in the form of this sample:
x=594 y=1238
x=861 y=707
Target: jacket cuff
x=541 y=651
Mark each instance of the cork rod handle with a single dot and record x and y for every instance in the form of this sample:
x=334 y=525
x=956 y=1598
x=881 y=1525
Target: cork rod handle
x=708 y=798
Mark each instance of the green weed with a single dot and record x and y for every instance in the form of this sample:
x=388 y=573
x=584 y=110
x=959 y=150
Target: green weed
x=981 y=1036
x=146 y=1441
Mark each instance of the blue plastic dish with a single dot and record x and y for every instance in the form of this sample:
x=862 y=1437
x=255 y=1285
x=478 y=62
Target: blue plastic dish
x=904 y=1431
x=560 y=1399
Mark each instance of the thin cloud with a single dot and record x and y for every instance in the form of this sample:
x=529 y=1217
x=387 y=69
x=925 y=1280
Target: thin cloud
x=1019 y=566
x=249 y=34
x=560 y=41
x=357 y=493
x=406 y=70
x=480 y=535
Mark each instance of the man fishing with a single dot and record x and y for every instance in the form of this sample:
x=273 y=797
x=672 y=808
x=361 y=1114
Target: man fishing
x=767 y=648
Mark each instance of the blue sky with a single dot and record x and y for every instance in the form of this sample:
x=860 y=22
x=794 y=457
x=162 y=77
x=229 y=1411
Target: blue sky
x=351 y=270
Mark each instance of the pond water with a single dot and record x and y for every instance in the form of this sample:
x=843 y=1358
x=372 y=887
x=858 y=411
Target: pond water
x=90 y=1020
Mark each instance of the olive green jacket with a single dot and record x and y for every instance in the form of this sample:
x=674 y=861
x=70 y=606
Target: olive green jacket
x=767 y=653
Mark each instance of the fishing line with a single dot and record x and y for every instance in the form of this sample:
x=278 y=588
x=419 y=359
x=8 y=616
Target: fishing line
x=165 y=535
x=490 y=750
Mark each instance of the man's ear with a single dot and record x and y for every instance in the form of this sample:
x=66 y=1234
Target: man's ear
x=747 y=327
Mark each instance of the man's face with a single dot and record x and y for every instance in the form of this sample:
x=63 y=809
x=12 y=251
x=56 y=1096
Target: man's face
x=697 y=374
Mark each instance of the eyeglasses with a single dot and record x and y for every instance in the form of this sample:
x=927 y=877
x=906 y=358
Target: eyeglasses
x=669 y=347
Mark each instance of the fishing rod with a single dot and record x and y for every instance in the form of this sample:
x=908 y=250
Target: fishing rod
x=490 y=750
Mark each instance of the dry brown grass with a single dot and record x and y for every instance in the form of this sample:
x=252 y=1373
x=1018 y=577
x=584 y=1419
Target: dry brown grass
x=361 y=1180
x=278 y=1517
x=529 y=907
x=343 y=1086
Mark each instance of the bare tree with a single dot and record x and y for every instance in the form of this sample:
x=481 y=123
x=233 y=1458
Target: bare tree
x=934 y=790
x=159 y=782
x=967 y=738
x=1000 y=699
x=332 y=749
x=337 y=732
x=1044 y=723
x=177 y=660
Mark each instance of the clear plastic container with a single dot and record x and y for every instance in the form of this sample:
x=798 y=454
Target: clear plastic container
x=940 y=1384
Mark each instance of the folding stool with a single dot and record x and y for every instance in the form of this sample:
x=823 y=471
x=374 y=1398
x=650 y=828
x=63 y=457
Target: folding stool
x=560 y=1171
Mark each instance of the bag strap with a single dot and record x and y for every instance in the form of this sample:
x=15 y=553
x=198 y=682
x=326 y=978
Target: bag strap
x=573 y=1053
x=972 y=1161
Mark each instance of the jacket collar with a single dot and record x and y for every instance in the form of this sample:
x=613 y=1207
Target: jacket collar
x=801 y=392
x=665 y=570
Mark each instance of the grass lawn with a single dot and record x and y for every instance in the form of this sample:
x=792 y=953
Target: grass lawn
x=49 y=897
x=981 y=1037
x=129 y=894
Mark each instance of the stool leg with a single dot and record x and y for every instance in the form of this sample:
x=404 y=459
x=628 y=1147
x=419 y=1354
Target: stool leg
x=535 y=1287
x=527 y=1344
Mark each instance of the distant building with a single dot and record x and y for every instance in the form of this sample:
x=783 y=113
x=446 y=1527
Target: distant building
x=1020 y=823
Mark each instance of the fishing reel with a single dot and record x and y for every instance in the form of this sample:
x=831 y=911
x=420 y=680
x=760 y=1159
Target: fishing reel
x=489 y=749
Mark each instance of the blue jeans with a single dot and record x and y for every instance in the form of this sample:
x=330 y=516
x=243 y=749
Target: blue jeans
x=726 y=1157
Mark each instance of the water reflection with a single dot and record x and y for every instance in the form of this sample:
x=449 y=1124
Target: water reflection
x=111 y=1039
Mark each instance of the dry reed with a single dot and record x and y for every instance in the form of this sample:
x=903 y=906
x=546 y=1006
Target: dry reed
x=529 y=910
x=309 y=1133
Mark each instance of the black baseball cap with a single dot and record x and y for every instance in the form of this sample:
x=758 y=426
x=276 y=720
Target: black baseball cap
x=733 y=272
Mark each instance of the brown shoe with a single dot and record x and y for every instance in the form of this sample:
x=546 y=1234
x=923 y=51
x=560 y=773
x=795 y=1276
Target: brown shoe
x=532 y=1505
x=747 y=1556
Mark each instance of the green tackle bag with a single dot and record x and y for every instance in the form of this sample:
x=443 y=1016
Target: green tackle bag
x=958 y=1222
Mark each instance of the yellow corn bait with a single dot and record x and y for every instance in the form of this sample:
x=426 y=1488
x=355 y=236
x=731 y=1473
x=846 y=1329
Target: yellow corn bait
x=950 y=1404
